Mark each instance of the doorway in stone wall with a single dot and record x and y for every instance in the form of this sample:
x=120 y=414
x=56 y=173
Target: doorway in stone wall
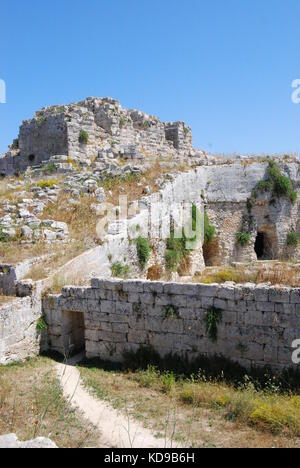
x=266 y=243
x=73 y=333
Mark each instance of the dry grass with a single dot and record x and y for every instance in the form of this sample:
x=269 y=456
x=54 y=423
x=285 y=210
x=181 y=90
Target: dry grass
x=276 y=273
x=221 y=275
x=199 y=414
x=5 y=299
x=80 y=217
x=155 y=273
x=32 y=405
x=130 y=187
x=280 y=273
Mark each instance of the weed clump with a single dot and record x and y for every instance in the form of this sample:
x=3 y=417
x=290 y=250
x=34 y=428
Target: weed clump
x=243 y=238
x=120 y=271
x=276 y=183
x=143 y=251
x=83 y=137
x=293 y=239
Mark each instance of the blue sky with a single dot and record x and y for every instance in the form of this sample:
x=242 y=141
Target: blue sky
x=225 y=67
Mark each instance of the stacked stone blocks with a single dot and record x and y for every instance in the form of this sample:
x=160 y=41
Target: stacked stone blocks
x=259 y=324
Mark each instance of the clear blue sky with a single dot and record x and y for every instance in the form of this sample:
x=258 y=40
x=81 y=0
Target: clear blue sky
x=223 y=66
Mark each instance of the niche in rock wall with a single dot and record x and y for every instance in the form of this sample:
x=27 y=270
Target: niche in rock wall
x=211 y=253
x=31 y=158
x=266 y=243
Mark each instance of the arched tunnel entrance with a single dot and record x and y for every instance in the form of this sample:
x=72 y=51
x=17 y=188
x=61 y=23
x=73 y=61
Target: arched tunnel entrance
x=260 y=245
x=266 y=243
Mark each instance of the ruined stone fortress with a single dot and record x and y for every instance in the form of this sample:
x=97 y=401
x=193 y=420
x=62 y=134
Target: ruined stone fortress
x=109 y=316
x=112 y=130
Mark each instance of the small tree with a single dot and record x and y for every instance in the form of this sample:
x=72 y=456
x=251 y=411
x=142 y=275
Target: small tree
x=83 y=137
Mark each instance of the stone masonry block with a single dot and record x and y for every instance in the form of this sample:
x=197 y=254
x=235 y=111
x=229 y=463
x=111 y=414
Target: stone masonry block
x=108 y=307
x=207 y=290
x=280 y=295
x=154 y=287
x=123 y=308
x=133 y=286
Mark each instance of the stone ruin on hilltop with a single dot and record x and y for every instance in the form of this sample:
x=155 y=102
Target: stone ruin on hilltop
x=95 y=130
x=252 y=207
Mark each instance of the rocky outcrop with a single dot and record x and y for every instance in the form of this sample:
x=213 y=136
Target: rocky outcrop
x=11 y=441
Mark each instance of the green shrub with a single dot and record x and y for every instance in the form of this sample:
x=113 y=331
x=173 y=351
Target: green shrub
x=3 y=238
x=293 y=239
x=41 y=325
x=143 y=251
x=175 y=252
x=47 y=183
x=213 y=319
x=276 y=183
x=49 y=168
x=120 y=271
x=243 y=238
x=209 y=230
x=83 y=137
x=179 y=246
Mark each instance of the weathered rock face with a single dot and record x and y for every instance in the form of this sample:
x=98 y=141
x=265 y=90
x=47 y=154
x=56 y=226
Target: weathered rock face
x=228 y=190
x=18 y=335
x=11 y=441
x=126 y=133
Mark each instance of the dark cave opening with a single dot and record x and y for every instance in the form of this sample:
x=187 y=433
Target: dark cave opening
x=260 y=245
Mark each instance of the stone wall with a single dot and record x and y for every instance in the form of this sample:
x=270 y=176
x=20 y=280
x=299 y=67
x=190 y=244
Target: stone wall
x=258 y=326
x=18 y=319
x=127 y=133
x=11 y=275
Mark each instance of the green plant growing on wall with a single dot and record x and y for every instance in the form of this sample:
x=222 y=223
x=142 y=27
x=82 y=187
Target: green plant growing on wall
x=3 y=238
x=120 y=271
x=83 y=137
x=143 y=251
x=276 y=183
x=213 y=319
x=122 y=121
x=179 y=245
x=41 y=325
x=171 y=312
x=293 y=239
x=243 y=238
x=209 y=230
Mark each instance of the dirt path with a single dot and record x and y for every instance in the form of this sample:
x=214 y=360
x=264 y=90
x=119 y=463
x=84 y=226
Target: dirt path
x=117 y=431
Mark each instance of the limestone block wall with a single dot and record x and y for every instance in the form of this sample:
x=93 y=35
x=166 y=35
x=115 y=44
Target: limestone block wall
x=79 y=118
x=18 y=320
x=11 y=275
x=258 y=326
x=134 y=128
x=42 y=137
